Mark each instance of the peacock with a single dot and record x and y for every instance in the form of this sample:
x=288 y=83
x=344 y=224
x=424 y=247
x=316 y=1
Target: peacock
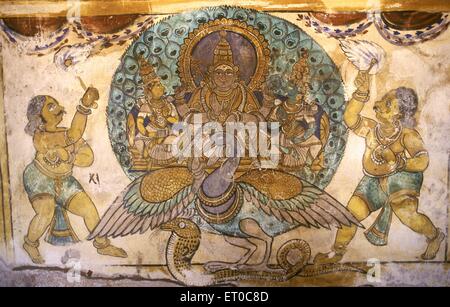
x=260 y=204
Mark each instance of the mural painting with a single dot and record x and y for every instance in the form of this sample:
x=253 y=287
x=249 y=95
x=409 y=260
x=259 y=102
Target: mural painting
x=230 y=145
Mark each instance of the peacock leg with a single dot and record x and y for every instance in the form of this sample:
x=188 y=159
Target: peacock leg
x=244 y=243
x=251 y=228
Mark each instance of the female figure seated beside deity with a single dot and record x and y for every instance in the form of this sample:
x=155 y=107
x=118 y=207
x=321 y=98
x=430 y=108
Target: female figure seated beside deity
x=154 y=120
x=298 y=142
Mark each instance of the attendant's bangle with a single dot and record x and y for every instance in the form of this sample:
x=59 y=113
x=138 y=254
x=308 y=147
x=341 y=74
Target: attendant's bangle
x=363 y=93
x=83 y=110
x=361 y=96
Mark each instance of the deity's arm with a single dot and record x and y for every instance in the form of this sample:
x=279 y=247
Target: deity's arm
x=193 y=107
x=252 y=110
x=195 y=102
x=413 y=144
x=140 y=125
x=173 y=117
x=181 y=106
x=182 y=109
x=252 y=104
x=144 y=111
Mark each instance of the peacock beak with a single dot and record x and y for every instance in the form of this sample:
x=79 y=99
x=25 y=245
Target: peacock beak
x=167 y=226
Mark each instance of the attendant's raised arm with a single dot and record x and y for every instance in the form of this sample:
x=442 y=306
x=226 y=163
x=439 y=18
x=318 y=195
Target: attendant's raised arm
x=76 y=130
x=352 y=117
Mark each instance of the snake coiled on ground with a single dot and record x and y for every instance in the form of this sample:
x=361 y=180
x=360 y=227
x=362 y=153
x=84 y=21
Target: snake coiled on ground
x=185 y=240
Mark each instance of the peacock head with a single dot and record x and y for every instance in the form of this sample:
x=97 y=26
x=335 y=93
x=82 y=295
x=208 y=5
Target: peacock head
x=184 y=228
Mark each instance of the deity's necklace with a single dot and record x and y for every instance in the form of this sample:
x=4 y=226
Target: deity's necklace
x=225 y=102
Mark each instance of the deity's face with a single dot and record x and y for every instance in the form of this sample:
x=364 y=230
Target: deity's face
x=52 y=112
x=387 y=109
x=224 y=76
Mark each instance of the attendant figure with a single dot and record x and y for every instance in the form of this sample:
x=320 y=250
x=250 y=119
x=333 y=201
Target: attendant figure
x=394 y=161
x=48 y=179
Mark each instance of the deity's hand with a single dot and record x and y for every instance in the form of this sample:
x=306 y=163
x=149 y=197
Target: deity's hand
x=236 y=116
x=180 y=92
x=162 y=133
x=90 y=97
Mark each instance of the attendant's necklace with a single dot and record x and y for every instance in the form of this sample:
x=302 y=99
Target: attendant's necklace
x=384 y=142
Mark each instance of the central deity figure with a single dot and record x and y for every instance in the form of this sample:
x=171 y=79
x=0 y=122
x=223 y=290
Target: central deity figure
x=222 y=96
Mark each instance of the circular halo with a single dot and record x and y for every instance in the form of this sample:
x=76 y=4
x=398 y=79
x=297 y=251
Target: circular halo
x=248 y=32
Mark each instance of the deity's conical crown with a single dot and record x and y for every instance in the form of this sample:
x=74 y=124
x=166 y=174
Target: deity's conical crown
x=146 y=70
x=223 y=53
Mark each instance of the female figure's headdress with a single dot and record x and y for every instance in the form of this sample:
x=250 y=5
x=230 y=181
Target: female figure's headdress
x=146 y=71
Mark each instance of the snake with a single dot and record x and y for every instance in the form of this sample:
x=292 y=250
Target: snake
x=184 y=242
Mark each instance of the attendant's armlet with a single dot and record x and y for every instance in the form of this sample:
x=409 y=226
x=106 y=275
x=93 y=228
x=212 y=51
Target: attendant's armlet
x=413 y=144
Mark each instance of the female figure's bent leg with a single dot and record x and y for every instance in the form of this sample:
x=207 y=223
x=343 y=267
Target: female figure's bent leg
x=358 y=207
x=82 y=205
x=44 y=206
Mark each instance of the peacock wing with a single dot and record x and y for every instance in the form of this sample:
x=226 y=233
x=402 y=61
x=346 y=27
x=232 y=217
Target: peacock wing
x=291 y=199
x=149 y=201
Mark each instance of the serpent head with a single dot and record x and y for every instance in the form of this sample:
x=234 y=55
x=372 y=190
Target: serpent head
x=184 y=228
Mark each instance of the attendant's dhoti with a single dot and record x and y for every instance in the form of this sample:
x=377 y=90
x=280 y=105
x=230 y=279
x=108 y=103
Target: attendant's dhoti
x=37 y=183
x=378 y=196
